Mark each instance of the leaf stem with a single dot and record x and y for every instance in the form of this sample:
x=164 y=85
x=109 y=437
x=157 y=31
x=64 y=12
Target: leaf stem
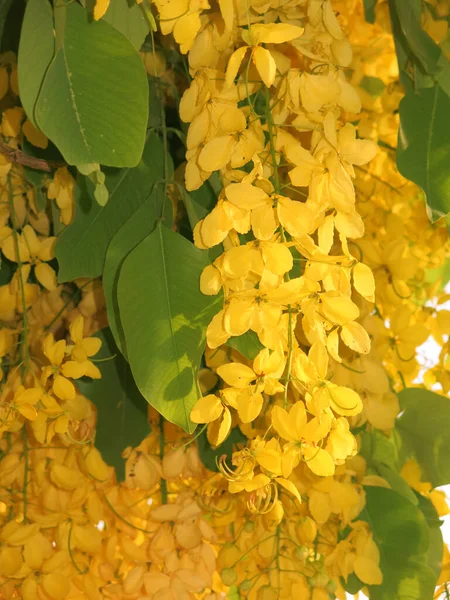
x=25 y=474
x=276 y=180
x=24 y=350
x=24 y=333
x=162 y=445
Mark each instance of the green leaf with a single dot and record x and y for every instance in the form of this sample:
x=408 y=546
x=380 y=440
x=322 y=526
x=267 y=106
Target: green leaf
x=7 y=269
x=36 y=50
x=369 y=10
x=353 y=584
x=207 y=194
x=38 y=179
x=164 y=317
x=377 y=448
x=195 y=211
x=425 y=430
x=209 y=456
x=247 y=344
x=423 y=152
x=401 y=534
x=436 y=549
x=5 y=5
x=138 y=226
x=81 y=248
x=442 y=273
x=396 y=481
x=122 y=411
x=373 y=85
x=422 y=46
x=129 y=20
x=94 y=99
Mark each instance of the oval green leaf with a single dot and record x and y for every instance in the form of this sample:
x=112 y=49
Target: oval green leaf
x=36 y=49
x=81 y=248
x=402 y=536
x=424 y=427
x=164 y=318
x=423 y=153
x=93 y=104
x=122 y=411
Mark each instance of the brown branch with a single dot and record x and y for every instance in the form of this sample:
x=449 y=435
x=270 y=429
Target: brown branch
x=17 y=156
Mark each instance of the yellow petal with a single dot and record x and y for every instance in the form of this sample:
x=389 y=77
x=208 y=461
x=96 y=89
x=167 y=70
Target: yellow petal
x=338 y=307
x=207 y=409
x=28 y=396
x=364 y=281
x=356 y=337
x=238 y=317
x=10 y=561
x=100 y=8
x=343 y=400
x=236 y=374
x=90 y=370
x=87 y=347
x=283 y=424
x=290 y=487
x=28 y=411
x=219 y=429
x=63 y=388
x=249 y=406
x=9 y=248
x=11 y=120
x=210 y=281
x=269 y=459
x=246 y=196
x=216 y=335
x=73 y=369
x=264 y=222
x=216 y=153
x=66 y=477
x=319 y=461
x=4 y=82
x=275 y=33
x=54 y=351
x=368 y=571
x=87 y=538
x=296 y=217
x=77 y=329
x=234 y=64
x=34 y=136
x=46 y=276
x=56 y=585
x=265 y=65
x=186 y=29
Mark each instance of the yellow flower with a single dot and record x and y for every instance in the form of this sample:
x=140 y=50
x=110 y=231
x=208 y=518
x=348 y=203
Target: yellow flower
x=303 y=437
x=210 y=409
x=271 y=33
x=84 y=346
x=33 y=250
x=246 y=396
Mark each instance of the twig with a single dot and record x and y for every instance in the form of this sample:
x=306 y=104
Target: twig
x=17 y=156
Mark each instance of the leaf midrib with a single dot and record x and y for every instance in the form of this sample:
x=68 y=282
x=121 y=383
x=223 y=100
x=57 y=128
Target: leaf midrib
x=172 y=333
x=430 y=138
x=74 y=102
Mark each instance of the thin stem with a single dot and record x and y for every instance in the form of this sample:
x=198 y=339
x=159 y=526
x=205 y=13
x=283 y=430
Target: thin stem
x=163 y=128
x=71 y=299
x=162 y=444
x=25 y=474
x=69 y=548
x=276 y=180
x=119 y=516
x=24 y=333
